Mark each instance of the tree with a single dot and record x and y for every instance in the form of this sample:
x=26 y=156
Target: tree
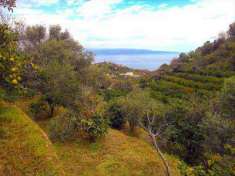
x=143 y=111
x=231 y=31
x=154 y=123
x=59 y=85
x=96 y=126
x=116 y=116
x=65 y=35
x=55 y=32
x=132 y=107
x=44 y=52
x=12 y=62
x=184 y=133
x=86 y=118
x=34 y=35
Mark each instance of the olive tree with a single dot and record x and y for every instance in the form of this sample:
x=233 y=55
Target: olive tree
x=142 y=111
x=154 y=122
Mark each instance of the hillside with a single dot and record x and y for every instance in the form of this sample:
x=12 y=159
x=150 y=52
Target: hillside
x=115 y=155
x=201 y=72
x=130 y=155
x=119 y=70
x=25 y=149
x=64 y=114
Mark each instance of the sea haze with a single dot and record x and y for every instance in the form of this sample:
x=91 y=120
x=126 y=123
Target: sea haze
x=135 y=58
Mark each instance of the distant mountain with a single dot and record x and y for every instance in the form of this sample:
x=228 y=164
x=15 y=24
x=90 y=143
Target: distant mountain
x=125 y=51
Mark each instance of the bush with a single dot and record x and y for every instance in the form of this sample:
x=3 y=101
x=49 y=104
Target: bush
x=10 y=94
x=116 y=116
x=63 y=127
x=39 y=110
x=94 y=127
x=69 y=125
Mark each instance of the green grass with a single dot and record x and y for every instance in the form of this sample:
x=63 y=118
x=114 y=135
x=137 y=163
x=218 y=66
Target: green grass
x=24 y=148
x=115 y=155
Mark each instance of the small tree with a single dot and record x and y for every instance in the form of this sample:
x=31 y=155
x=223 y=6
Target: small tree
x=86 y=118
x=34 y=35
x=95 y=127
x=154 y=123
x=59 y=85
x=116 y=115
x=12 y=62
x=143 y=111
x=132 y=108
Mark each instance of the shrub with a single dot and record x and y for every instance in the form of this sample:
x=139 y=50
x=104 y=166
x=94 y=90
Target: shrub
x=94 y=127
x=116 y=116
x=39 y=110
x=63 y=127
x=69 y=125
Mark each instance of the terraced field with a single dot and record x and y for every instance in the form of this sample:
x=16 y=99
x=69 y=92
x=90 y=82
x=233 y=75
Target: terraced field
x=180 y=85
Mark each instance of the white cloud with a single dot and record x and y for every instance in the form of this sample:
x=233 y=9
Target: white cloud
x=96 y=8
x=168 y=28
x=35 y=3
x=163 y=5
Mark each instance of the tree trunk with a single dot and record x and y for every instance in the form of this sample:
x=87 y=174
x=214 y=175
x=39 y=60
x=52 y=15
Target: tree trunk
x=167 y=167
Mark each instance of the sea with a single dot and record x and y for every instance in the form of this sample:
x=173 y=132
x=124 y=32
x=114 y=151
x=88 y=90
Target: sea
x=137 y=60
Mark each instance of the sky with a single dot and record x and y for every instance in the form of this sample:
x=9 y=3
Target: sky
x=166 y=25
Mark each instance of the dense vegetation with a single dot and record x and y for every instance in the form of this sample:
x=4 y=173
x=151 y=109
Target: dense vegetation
x=198 y=88
x=186 y=109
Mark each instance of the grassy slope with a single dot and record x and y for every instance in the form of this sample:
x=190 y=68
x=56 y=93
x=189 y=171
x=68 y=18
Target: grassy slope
x=24 y=148
x=115 y=155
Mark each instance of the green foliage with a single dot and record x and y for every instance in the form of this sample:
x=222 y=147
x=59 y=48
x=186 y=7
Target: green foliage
x=228 y=98
x=59 y=85
x=184 y=134
x=197 y=135
x=40 y=110
x=12 y=62
x=35 y=34
x=69 y=125
x=110 y=94
x=116 y=115
x=132 y=108
x=95 y=127
x=59 y=66
x=86 y=119
x=63 y=127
